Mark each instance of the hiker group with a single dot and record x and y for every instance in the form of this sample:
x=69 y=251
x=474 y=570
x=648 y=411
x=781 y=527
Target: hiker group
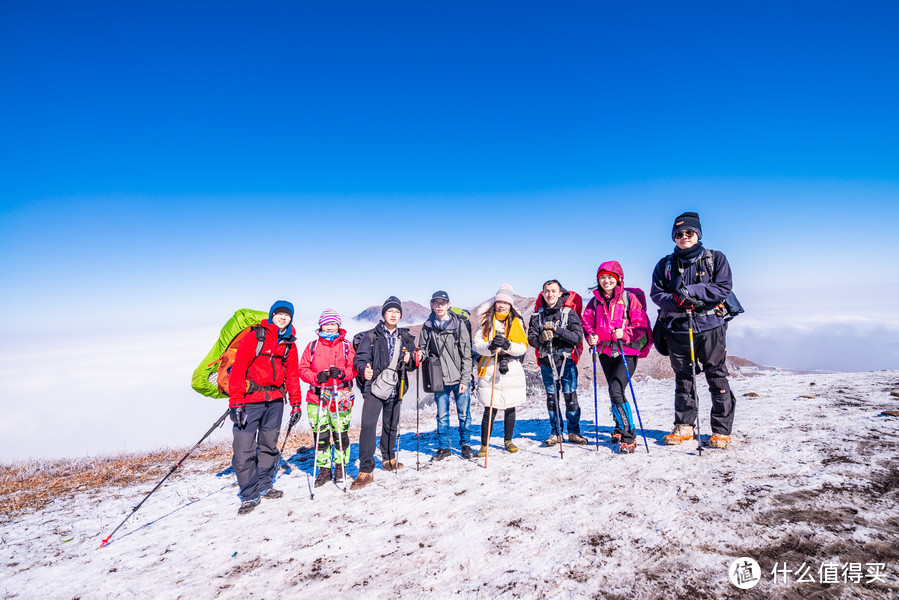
x=457 y=352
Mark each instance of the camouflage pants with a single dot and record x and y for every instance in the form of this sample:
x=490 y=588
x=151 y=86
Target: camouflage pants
x=332 y=428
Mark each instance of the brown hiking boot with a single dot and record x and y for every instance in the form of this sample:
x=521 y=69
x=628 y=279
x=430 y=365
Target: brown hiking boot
x=553 y=440
x=681 y=433
x=574 y=438
x=391 y=465
x=363 y=480
x=719 y=440
x=482 y=451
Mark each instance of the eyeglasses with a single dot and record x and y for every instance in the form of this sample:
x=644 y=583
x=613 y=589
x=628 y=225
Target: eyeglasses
x=685 y=233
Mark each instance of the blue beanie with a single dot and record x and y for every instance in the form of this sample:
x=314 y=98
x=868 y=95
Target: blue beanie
x=280 y=306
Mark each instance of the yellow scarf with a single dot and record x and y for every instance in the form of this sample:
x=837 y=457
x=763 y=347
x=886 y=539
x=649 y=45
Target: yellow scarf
x=514 y=332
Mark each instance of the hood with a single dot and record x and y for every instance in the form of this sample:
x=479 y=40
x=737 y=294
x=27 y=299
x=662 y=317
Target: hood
x=612 y=266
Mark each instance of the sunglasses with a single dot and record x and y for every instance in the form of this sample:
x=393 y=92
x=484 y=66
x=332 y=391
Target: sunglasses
x=686 y=233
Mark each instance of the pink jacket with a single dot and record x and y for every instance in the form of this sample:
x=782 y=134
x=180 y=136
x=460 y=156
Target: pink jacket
x=602 y=315
x=338 y=353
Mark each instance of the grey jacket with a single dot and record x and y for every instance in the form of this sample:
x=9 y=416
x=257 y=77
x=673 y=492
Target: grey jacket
x=455 y=358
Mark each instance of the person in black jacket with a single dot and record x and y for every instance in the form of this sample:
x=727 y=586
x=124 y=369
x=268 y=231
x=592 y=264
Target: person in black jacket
x=384 y=359
x=697 y=280
x=555 y=331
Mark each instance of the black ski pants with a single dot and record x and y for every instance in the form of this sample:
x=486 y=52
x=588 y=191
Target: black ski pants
x=508 y=423
x=390 y=423
x=711 y=354
x=616 y=376
x=256 y=448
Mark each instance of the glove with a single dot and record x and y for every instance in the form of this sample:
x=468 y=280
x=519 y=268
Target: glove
x=547 y=335
x=323 y=376
x=238 y=416
x=506 y=344
x=295 y=415
x=682 y=301
x=551 y=325
x=499 y=341
x=336 y=373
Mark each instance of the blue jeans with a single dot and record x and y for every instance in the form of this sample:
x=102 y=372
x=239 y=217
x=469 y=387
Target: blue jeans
x=569 y=386
x=463 y=411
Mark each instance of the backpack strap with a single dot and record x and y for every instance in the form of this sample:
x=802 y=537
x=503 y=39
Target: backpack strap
x=260 y=338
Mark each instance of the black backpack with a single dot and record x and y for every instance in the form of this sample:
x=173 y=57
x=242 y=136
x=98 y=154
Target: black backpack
x=357 y=339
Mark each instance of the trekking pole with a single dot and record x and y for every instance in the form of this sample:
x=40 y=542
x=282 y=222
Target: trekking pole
x=281 y=451
x=339 y=433
x=318 y=429
x=557 y=383
x=215 y=426
x=633 y=395
x=417 y=400
x=490 y=414
x=693 y=367
x=595 y=400
x=399 y=407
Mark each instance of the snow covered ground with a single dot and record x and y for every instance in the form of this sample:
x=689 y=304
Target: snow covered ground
x=810 y=487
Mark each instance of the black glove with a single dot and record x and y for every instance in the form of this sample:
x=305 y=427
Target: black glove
x=506 y=344
x=238 y=416
x=295 y=415
x=336 y=373
x=497 y=342
x=323 y=376
x=682 y=301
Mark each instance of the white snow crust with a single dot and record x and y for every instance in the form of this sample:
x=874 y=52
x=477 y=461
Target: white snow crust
x=811 y=477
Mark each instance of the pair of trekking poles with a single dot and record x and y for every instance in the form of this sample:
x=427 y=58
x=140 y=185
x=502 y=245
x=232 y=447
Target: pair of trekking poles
x=633 y=394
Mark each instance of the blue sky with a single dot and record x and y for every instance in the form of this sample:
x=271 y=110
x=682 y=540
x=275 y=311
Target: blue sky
x=163 y=164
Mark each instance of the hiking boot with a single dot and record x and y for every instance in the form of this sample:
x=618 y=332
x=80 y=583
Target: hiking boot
x=324 y=476
x=510 y=447
x=719 y=440
x=467 y=452
x=247 y=506
x=553 y=440
x=338 y=473
x=482 y=452
x=441 y=454
x=616 y=438
x=627 y=447
x=576 y=438
x=363 y=480
x=392 y=465
x=681 y=433
x=272 y=494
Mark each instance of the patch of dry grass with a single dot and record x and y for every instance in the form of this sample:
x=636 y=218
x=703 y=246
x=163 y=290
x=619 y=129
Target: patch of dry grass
x=28 y=486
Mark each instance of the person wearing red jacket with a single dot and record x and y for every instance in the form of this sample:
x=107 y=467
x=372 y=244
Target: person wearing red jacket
x=327 y=366
x=264 y=375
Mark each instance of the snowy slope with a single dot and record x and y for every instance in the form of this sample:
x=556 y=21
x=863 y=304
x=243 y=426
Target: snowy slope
x=812 y=478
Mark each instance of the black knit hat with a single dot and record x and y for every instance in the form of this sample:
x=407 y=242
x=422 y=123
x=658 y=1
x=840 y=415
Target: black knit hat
x=392 y=302
x=687 y=220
